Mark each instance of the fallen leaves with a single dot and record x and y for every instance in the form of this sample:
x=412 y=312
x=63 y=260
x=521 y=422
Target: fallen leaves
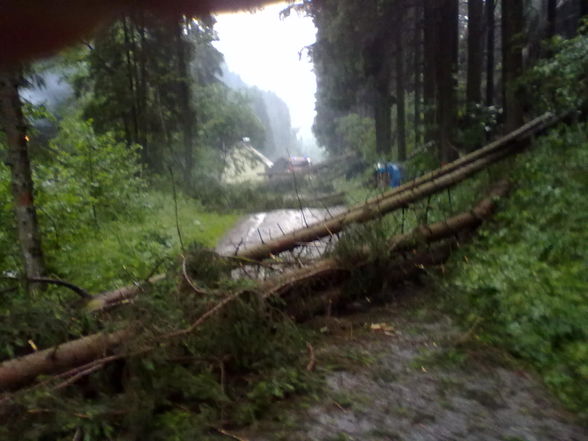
x=384 y=328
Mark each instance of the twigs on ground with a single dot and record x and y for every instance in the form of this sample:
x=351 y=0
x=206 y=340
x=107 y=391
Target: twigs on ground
x=50 y=281
x=204 y=317
x=311 y=365
x=177 y=217
x=120 y=295
x=189 y=281
x=228 y=434
x=79 y=375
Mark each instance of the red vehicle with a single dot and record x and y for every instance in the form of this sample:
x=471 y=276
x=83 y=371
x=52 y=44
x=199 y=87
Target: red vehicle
x=297 y=163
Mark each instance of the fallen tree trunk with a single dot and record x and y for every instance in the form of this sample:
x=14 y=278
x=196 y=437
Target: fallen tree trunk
x=120 y=295
x=301 y=307
x=21 y=371
x=443 y=229
x=425 y=234
x=429 y=184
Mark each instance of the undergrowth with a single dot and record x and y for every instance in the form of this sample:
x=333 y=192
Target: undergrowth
x=130 y=248
x=228 y=372
x=523 y=282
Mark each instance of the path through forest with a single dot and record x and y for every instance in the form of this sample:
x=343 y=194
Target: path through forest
x=405 y=372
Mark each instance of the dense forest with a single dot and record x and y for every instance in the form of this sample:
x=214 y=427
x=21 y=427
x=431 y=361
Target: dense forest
x=113 y=151
x=429 y=72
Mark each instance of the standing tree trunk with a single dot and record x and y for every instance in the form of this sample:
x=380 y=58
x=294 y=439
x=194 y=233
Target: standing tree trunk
x=400 y=93
x=13 y=122
x=448 y=11
x=429 y=69
x=475 y=52
x=490 y=36
x=142 y=91
x=551 y=17
x=512 y=61
x=187 y=116
x=418 y=68
x=131 y=78
x=382 y=115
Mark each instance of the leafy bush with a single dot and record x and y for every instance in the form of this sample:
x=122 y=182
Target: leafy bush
x=101 y=229
x=8 y=243
x=560 y=83
x=525 y=279
x=356 y=133
x=91 y=179
x=476 y=124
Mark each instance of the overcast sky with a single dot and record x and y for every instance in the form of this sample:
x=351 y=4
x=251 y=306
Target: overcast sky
x=266 y=52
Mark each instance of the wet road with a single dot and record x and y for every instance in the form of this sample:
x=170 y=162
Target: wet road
x=254 y=228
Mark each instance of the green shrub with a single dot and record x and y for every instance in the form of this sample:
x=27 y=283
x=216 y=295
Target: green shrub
x=525 y=278
x=560 y=83
x=91 y=179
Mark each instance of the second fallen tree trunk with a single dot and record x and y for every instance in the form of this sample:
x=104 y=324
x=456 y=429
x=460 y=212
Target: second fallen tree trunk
x=422 y=235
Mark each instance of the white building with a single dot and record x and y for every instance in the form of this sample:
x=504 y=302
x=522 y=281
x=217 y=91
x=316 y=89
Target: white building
x=244 y=164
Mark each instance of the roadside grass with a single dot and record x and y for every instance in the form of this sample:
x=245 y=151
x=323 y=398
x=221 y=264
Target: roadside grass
x=129 y=249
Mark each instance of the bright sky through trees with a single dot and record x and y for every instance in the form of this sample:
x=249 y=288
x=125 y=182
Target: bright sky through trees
x=268 y=52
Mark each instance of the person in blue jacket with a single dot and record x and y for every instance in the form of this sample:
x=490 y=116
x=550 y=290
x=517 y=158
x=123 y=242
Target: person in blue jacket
x=388 y=174
x=394 y=173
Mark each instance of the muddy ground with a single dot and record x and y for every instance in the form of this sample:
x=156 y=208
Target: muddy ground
x=405 y=371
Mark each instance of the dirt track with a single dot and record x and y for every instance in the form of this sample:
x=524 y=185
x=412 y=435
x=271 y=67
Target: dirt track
x=408 y=380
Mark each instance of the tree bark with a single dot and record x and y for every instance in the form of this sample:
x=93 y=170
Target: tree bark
x=14 y=125
x=447 y=78
x=382 y=116
x=23 y=370
x=418 y=70
x=551 y=17
x=131 y=78
x=429 y=70
x=512 y=61
x=490 y=37
x=187 y=116
x=400 y=91
x=109 y=299
x=142 y=92
x=329 y=272
x=475 y=52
